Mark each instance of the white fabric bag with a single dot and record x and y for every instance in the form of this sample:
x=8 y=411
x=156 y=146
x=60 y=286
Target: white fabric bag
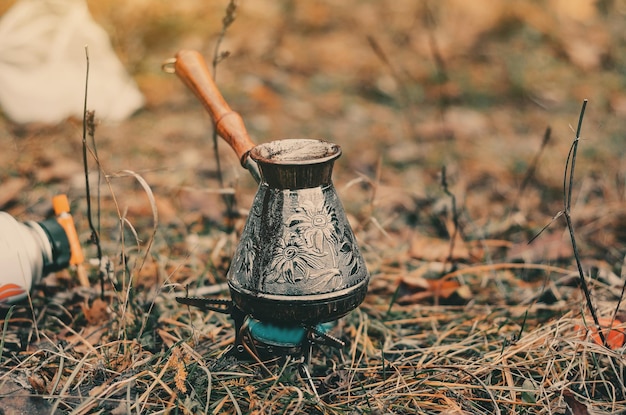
x=43 y=65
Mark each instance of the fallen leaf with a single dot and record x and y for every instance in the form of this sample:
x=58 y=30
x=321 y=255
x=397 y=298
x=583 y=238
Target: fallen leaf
x=435 y=249
x=97 y=313
x=615 y=338
x=573 y=406
x=416 y=288
x=38 y=383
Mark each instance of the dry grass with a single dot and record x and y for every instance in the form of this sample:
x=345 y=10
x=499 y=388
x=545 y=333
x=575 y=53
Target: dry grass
x=145 y=357
x=487 y=324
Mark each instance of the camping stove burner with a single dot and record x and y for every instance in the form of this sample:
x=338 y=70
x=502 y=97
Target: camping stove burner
x=264 y=340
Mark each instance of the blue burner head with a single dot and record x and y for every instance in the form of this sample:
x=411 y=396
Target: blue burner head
x=281 y=335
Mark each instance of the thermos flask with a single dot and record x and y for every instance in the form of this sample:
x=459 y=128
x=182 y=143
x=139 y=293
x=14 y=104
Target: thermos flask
x=31 y=250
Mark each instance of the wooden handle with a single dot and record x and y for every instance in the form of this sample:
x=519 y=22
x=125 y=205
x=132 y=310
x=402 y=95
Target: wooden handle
x=191 y=68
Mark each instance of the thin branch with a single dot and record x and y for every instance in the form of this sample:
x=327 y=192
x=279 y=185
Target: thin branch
x=532 y=167
x=455 y=215
x=88 y=119
x=567 y=200
x=621 y=297
x=555 y=217
x=229 y=18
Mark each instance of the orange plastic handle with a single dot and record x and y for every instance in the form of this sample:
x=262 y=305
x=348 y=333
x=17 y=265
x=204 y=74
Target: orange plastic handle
x=191 y=68
x=61 y=208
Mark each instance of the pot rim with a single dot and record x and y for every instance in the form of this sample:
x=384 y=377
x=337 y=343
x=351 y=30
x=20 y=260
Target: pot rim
x=295 y=152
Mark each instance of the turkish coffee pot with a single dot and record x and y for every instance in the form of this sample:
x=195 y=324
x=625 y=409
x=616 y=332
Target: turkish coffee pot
x=297 y=262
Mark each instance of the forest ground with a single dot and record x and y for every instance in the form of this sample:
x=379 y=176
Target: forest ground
x=489 y=323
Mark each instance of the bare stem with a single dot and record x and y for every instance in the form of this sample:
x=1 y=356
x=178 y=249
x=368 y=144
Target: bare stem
x=455 y=215
x=218 y=56
x=532 y=168
x=621 y=297
x=567 y=200
x=88 y=121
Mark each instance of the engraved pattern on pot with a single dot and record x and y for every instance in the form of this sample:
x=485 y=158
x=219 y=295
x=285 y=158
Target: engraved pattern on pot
x=244 y=261
x=292 y=261
x=313 y=250
x=347 y=252
x=317 y=224
x=248 y=246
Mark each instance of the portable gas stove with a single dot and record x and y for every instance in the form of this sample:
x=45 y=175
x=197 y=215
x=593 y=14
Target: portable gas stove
x=263 y=340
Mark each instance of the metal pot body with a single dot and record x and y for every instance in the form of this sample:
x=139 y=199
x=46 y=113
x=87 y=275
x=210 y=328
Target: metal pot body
x=297 y=260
